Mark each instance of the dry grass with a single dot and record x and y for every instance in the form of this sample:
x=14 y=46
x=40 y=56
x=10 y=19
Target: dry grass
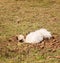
x=23 y=16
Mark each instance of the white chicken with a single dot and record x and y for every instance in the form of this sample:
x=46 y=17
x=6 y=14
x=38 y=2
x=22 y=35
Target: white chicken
x=37 y=36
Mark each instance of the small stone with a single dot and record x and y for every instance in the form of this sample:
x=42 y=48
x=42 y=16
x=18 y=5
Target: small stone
x=10 y=40
x=57 y=41
x=42 y=47
x=54 y=50
x=57 y=57
x=54 y=40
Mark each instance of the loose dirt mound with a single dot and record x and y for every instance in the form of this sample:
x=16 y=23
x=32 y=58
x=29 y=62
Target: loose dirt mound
x=13 y=45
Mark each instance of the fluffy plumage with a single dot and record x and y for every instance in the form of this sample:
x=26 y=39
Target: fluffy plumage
x=45 y=33
x=34 y=37
x=37 y=36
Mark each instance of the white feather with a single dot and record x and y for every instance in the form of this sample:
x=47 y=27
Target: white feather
x=37 y=36
x=34 y=37
x=45 y=33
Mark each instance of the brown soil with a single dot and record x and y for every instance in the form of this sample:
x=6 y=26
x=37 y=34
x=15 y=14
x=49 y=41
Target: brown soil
x=13 y=45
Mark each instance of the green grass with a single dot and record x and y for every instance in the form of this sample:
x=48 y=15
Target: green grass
x=32 y=57
x=23 y=16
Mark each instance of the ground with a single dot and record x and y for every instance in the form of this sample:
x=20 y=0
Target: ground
x=21 y=17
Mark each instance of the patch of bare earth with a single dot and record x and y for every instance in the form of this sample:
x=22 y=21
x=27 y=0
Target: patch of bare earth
x=13 y=45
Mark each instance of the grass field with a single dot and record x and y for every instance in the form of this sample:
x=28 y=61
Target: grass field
x=21 y=17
